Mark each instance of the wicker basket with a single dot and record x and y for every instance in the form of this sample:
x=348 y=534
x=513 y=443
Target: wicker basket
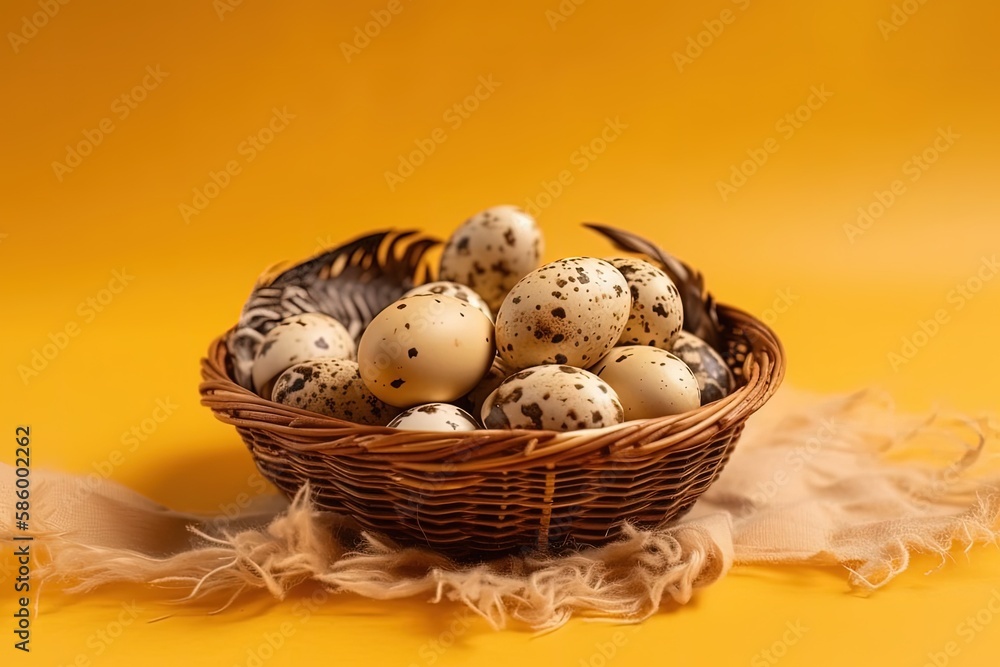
x=489 y=492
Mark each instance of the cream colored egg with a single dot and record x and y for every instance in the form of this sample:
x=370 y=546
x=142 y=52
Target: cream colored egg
x=491 y=251
x=298 y=338
x=657 y=313
x=425 y=349
x=435 y=417
x=650 y=382
x=457 y=290
x=552 y=397
x=570 y=311
x=332 y=387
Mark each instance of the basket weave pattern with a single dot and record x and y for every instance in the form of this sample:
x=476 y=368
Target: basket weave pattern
x=490 y=492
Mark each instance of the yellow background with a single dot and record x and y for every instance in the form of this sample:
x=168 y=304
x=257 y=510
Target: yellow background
x=778 y=242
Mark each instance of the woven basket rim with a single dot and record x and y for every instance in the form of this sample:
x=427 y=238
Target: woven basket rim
x=493 y=449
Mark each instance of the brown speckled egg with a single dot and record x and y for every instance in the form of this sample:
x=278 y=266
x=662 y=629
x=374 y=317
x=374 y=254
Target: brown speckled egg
x=657 y=314
x=552 y=397
x=491 y=251
x=435 y=417
x=570 y=311
x=457 y=290
x=425 y=349
x=298 y=338
x=714 y=377
x=332 y=387
x=650 y=382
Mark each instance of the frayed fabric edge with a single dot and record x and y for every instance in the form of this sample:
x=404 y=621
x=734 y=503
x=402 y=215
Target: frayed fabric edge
x=923 y=507
x=628 y=580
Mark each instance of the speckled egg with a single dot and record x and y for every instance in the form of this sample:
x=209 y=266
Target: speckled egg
x=298 y=338
x=553 y=397
x=491 y=251
x=497 y=373
x=332 y=387
x=709 y=368
x=435 y=417
x=651 y=382
x=425 y=349
x=657 y=314
x=570 y=311
x=457 y=290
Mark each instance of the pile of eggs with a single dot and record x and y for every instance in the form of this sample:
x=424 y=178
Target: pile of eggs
x=502 y=343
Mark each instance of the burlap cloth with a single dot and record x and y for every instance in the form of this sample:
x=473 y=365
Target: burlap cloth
x=842 y=482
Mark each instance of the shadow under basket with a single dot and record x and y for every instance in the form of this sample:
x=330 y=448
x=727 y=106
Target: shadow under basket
x=491 y=492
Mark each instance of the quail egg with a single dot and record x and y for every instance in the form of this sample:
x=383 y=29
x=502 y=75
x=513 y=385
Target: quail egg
x=491 y=251
x=552 y=397
x=650 y=381
x=298 y=338
x=570 y=311
x=457 y=290
x=331 y=387
x=425 y=349
x=435 y=417
x=713 y=375
x=657 y=314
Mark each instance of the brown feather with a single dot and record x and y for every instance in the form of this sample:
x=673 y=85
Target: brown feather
x=351 y=283
x=700 y=316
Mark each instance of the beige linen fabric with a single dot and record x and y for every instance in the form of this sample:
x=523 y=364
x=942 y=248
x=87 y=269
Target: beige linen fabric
x=842 y=482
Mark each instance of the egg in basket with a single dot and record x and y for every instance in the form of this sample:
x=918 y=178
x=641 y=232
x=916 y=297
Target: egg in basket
x=497 y=404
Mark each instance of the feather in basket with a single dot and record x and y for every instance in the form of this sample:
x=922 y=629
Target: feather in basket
x=491 y=491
